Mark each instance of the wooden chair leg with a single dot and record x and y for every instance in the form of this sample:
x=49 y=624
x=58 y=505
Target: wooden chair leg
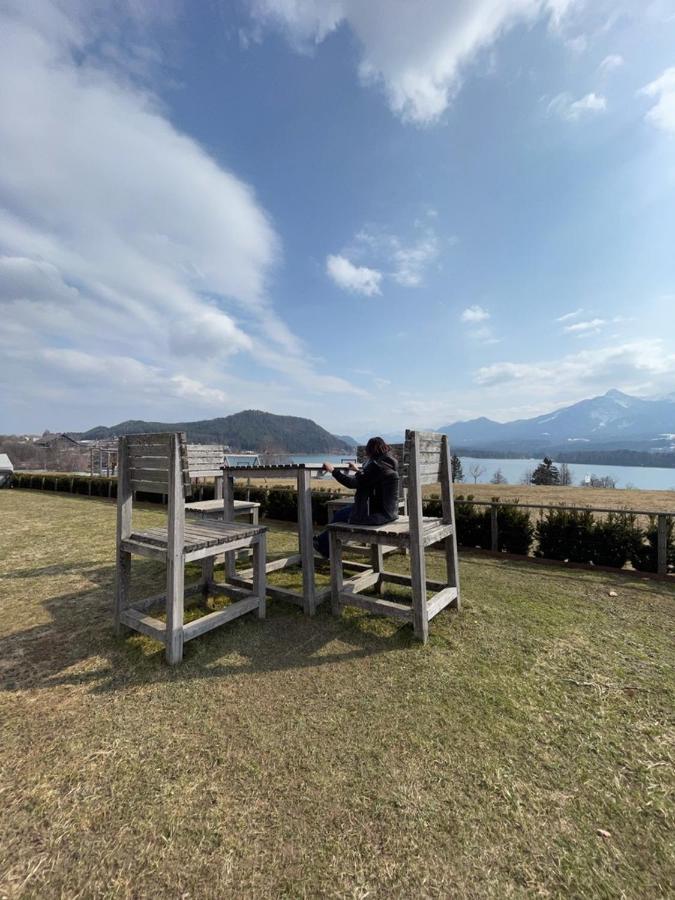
x=207 y=575
x=336 y=579
x=377 y=562
x=122 y=588
x=259 y=574
x=452 y=566
x=418 y=577
x=175 y=602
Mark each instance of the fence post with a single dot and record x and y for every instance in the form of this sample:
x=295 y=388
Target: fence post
x=662 y=544
x=494 y=532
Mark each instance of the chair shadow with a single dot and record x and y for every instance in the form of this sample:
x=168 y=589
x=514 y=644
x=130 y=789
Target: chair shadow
x=80 y=631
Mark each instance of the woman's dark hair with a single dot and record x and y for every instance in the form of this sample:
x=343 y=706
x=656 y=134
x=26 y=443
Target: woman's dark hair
x=377 y=446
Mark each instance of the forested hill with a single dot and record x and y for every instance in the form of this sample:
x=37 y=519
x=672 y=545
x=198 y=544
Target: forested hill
x=250 y=429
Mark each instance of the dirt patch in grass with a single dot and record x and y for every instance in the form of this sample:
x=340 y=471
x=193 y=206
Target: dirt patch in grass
x=527 y=750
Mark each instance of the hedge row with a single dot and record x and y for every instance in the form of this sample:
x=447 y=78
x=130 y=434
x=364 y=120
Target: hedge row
x=574 y=535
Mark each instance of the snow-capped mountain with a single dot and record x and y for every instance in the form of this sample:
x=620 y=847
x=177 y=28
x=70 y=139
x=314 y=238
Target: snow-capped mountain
x=613 y=418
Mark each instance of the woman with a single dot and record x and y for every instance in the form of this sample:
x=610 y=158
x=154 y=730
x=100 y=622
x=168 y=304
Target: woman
x=376 y=486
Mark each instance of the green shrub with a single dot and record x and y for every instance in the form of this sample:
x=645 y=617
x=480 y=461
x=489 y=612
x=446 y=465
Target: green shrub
x=645 y=555
x=566 y=534
x=514 y=528
x=616 y=539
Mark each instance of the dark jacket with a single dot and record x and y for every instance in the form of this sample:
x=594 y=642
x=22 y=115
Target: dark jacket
x=376 y=485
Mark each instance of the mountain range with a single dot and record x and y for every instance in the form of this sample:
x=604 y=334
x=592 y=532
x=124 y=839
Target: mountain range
x=250 y=429
x=611 y=421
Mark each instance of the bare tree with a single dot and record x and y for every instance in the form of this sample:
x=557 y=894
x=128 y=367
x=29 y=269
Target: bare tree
x=565 y=474
x=475 y=471
x=499 y=478
x=526 y=477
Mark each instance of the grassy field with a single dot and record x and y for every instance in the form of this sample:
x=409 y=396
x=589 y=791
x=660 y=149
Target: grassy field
x=526 y=751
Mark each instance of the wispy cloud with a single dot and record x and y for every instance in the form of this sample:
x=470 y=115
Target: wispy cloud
x=662 y=114
x=376 y=255
x=356 y=279
x=474 y=314
x=643 y=367
x=571 y=110
x=610 y=63
x=592 y=325
x=570 y=315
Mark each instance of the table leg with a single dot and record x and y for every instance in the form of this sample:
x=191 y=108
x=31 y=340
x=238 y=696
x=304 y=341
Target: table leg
x=228 y=516
x=306 y=536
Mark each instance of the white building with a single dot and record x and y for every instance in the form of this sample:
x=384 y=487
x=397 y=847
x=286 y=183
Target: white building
x=6 y=470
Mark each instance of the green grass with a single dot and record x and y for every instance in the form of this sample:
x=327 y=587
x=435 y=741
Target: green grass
x=527 y=750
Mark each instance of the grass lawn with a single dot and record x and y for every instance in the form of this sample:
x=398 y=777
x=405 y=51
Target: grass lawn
x=527 y=750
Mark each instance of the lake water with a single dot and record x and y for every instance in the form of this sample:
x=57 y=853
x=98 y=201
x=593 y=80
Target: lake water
x=647 y=479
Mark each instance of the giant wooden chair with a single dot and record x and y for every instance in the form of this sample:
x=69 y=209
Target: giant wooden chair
x=206 y=461
x=158 y=463
x=426 y=460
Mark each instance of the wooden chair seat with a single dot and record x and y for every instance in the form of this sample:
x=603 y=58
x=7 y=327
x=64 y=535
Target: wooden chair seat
x=198 y=535
x=207 y=507
x=398 y=532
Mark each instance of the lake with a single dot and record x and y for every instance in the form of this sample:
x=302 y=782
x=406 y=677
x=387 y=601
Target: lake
x=647 y=479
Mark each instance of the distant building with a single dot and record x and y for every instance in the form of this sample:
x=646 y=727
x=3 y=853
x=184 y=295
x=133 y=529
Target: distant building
x=6 y=470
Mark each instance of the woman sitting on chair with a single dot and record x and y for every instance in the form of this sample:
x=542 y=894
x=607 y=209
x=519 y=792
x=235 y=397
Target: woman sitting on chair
x=376 y=485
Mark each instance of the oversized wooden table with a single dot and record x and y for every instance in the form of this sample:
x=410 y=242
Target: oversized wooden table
x=310 y=597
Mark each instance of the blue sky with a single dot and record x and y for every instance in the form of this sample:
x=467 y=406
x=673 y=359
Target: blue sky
x=376 y=215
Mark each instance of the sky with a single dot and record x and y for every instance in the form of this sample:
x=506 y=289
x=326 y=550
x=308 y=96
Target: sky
x=400 y=213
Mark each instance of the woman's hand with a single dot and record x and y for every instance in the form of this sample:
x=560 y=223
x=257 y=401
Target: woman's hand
x=328 y=467
x=353 y=467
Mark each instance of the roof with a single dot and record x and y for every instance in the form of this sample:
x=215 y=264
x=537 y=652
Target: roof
x=5 y=462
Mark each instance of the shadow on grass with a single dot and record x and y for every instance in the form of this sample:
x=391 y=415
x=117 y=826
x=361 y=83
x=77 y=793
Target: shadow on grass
x=80 y=635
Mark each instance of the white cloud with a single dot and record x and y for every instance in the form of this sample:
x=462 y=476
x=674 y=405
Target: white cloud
x=357 y=279
x=572 y=110
x=570 y=315
x=389 y=257
x=411 y=261
x=416 y=55
x=474 y=314
x=662 y=114
x=610 y=63
x=641 y=367
x=120 y=235
x=592 y=325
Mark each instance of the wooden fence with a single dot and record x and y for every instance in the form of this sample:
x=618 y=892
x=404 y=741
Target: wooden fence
x=661 y=521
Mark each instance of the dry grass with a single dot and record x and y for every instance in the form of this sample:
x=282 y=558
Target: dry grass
x=650 y=501
x=526 y=751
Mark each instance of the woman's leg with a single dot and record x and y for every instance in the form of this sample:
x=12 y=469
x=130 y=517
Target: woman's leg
x=321 y=542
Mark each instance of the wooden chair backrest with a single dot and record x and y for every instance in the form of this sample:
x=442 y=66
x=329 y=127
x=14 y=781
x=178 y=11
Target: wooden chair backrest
x=396 y=451
x=205 y=460
x=426 y=460
x=147 y=461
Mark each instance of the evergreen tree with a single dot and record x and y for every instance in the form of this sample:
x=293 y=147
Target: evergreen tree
x=546 y=473
x=457 y=473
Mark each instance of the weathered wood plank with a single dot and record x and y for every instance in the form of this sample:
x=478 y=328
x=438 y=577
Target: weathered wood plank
x=360 y=582
x=396 y=578
x=139 y=621
x=377 y=606
x=124 y=512
x=149 y=487
x=440 y=600
x=448 y=509
x=417 y=561
x=275 y=565
x=259 y=573
x=336 y=576
x=174 y=557
x=306 y=536
x=212 y=620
